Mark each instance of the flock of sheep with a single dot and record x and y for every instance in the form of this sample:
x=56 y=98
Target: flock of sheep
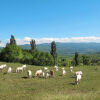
x=45 y=73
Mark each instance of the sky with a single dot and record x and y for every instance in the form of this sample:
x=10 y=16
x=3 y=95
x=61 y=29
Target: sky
x=47 y=20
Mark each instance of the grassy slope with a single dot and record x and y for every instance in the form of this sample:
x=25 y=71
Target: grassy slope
x=14 y=87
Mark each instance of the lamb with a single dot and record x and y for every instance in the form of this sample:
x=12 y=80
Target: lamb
x=18 y=69
x=38 y=72
x=78 y=78
x=29 y=73
x=9 y=70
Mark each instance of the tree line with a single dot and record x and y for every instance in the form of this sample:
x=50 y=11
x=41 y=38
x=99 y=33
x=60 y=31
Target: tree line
x=13 y=53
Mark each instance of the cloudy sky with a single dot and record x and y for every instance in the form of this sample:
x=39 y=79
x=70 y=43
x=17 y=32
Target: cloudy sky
x=48 y=20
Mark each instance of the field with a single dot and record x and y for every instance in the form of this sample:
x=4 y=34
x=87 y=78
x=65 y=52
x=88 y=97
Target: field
x=16 y=86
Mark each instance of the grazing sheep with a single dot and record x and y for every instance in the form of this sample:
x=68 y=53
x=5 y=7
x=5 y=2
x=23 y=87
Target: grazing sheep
x=76 y=73
x=3 y=66
x=24 y=66
x=56 y=67
x=47 y=74
x=29 y=73
x=38 y=72
x=78 y=78
x=18 y=69
x=71 y=69
x=9 y=70
x=51 y=73
x=63 y=72
x=43 y=74
x=45 y=68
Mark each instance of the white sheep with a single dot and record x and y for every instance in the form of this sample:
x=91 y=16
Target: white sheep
x=47 y=74
x=1 y=67
x=56 y=67
x=9 y=70
x=78 y=78
x=45 y=68
x=18 y=69
x=71 y=69
x=43 y=74
x=24 y=66
x=38 y=72
x=63 y=72
x=29 y=73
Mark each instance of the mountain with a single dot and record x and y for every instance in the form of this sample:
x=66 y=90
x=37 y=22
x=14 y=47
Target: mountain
x=68 y=48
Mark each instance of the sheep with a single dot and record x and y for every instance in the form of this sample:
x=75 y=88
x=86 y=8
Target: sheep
x=56 y=67
x=24 y=66
x=47 y=74
x=38 y=72
x=18 y=69
x=45 y=68
x=29 y=73
x=9 y=70
x=76 y=73
x=43 y=74
x=78 y=78
x=1 y=67
x=63 y=72
x=71 y=69
x=51 y=73
x=4 y=65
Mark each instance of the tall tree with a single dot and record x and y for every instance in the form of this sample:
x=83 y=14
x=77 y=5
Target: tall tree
x=12 y=40
x=76 y=59
x=33 y=45
x=53 y=52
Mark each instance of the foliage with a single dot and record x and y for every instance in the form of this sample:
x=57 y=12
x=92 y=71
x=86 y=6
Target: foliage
x=33 y=45
x=76 y=59
x=12 y=40
x=86 y=60
x=53 y=52
x=11 y=53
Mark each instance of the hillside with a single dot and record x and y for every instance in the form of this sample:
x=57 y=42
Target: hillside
x=68 y=48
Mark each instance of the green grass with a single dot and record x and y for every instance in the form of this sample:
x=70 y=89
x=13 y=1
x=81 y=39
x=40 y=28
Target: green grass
x=14 y=87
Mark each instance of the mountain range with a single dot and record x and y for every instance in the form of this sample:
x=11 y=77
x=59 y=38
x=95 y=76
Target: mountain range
x=68 y=48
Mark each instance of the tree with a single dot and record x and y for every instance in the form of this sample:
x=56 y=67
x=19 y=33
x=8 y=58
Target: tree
x=86 y=60
x=53 y=52
x=76 y=59
x=33 y=45
x=12 y=40
x=11 y=53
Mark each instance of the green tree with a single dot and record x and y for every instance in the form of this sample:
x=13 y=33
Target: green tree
x=76 y=59
x=86 y=60
x=12 y=40
x=11 y=53
x=33 y=45
x=53 y=52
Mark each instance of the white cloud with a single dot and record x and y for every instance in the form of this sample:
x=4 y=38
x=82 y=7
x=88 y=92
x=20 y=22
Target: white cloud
x=26 y=40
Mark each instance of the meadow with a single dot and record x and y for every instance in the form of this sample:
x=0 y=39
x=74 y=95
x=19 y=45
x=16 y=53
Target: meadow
x=16 y=86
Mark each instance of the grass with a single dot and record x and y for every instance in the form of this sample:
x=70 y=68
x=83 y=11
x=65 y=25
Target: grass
x=16 y=86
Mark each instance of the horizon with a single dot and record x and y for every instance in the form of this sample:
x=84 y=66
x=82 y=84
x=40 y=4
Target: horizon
x=46 y=21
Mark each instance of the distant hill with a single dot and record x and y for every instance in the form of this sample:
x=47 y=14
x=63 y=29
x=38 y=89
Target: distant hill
x=68 y=48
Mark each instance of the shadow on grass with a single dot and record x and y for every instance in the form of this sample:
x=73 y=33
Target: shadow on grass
x=72 y=83
x=24 y=77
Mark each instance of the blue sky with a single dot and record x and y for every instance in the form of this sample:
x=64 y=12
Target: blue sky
x=49 y=18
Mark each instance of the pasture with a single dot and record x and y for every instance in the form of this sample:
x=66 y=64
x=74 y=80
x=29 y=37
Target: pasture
x=16 y=86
